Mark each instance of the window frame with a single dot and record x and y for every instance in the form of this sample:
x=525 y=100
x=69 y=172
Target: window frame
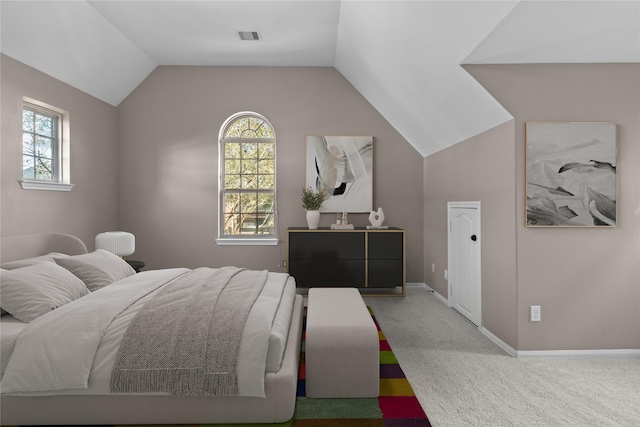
x=244 y=239
x=61 y=180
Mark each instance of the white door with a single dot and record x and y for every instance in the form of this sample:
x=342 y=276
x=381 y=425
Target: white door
x=465 y=294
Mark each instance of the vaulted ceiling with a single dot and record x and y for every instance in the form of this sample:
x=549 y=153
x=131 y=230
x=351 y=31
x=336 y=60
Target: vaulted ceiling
x=404 y=57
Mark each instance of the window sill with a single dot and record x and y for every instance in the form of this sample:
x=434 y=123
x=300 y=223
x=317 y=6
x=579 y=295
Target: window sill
x=232 y=241
x=44 y=185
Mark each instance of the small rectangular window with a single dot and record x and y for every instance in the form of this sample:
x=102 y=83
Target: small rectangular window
x=40 y=144
x=45 y=150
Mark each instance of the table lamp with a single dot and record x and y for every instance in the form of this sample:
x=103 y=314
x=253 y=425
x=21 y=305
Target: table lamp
x=120 y=243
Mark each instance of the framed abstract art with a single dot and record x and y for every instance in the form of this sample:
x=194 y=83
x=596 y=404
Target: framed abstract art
x=343 y=167
x=570 y=174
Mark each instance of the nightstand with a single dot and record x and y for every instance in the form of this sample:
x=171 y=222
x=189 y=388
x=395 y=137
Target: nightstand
x=136 y=265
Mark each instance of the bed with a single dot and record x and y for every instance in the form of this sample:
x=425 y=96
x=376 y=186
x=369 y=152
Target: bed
x=268 y=397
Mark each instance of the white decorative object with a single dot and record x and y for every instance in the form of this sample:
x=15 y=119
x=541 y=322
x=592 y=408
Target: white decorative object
x=120 y=243
x=313 y=218
x=376 y=218
x=342 y=227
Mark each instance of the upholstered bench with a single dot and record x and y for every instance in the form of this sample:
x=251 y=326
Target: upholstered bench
x=342 y=350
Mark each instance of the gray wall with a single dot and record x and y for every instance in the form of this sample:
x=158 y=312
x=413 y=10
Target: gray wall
x=587 y=280
x=168 y=159
x=479 y=169
x=91 y=207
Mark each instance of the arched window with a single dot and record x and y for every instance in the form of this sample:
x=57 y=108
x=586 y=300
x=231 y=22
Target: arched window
x=247 y=180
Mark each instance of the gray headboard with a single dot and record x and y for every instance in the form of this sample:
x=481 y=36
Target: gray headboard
x=30 y=245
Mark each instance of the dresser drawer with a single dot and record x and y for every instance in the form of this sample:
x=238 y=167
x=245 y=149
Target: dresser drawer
x=330 y=245
x=322 y=272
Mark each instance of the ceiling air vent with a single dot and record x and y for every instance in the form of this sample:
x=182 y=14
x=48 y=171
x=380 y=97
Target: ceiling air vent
x=249 y=35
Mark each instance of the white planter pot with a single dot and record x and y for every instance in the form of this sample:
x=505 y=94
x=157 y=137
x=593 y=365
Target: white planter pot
x=313 y=218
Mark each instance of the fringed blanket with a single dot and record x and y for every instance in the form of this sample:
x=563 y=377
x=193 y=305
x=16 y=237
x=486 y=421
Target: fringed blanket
x=186 y=340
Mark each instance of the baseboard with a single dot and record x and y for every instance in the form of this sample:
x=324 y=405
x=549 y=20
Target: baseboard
x=429 y=289
x=631 y=353
x=624 y=353
x=503 y=345
x=417 y=285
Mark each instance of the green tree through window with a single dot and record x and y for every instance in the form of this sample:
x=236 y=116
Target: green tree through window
x=248 y=177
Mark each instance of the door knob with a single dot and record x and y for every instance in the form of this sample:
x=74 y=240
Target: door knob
x=474 y=238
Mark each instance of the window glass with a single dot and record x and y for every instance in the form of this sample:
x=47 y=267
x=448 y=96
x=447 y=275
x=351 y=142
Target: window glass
x=40 y=144
x=248 y=177
x=46 y=152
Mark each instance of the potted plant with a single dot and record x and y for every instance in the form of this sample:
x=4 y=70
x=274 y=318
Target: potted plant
x=312 y=200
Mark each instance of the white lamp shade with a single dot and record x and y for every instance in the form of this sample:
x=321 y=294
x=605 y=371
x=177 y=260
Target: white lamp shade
x=120 y=243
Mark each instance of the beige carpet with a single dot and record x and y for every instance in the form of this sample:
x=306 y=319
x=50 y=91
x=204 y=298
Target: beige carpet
x=463 y=379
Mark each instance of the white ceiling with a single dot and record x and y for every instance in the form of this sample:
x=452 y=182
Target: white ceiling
x=403 y=56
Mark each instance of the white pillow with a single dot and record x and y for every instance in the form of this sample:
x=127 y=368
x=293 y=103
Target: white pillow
x=12 y=265
x=97 y=269
x=29 y=292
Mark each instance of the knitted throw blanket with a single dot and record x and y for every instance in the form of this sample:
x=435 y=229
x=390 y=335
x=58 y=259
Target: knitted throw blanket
x=186 y=339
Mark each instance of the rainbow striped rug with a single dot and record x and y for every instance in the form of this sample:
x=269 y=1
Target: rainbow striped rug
x=397 y=405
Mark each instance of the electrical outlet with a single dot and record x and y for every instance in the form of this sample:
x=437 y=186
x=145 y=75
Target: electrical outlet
x=535 y=313
x=446 y=274
x=433 y=268
x=284 y=262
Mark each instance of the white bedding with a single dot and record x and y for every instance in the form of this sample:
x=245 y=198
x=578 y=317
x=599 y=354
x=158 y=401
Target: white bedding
x=86 y=369
x=10 y=328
